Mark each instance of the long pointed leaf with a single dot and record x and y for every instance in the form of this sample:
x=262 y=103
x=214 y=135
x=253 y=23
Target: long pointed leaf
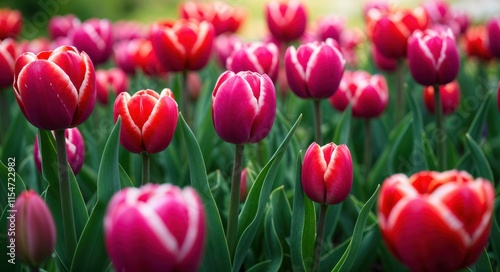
x=480 y=161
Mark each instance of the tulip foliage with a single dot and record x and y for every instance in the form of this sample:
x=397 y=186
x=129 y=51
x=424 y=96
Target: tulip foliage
x=258 y=175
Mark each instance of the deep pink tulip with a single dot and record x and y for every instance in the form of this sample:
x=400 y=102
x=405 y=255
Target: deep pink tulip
x=114 y=80
x=61 y=26
x=55 y=89
x=243 y=107
x=493 y=27
x=223 y=47
x=8 y=55
x=286 y=20
x=182 y=45
x=314 y=70
x=327 y=173
x=367 y=94
x=450 y=97
x=436 y=221
x=35 y=231
x=330 y=26
x=438 y=11
x=75 y=150
x=382 y=62
x=433 y=57
x=461 y=19
x=149 y=120
x=95 y=37
x=256 y=57
x=155 y=228
x=11 y=22
x=124 y=55
x=128 y=30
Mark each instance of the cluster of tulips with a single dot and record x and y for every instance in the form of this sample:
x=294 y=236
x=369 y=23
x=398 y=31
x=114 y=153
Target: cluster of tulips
x=221 y=183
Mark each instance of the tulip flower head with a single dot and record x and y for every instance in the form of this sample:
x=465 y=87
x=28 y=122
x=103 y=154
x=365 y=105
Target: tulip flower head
x=113 y=80
x=224 y=18
x=493 y=27
x=8 y=55
x=55 y=89
x=95 y=37
x=475 y=43
x=223 y=47
x=436 y=221
x=450 y=97
x=61 y=26
x=382 y=62
x=330 y=27
x=256 y=57
x=286 y=20
x=11 y=22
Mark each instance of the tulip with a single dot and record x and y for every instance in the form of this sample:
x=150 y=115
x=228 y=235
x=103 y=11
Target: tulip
x=61 y=26
x=314 y=70
x=124 y=53
x=223 y=47
x=476 y=43
x=155 y=228
x=224 y=18
x=256 y=57
x=450 y=97
x=11 y=22
x=435 y=221
x=75 y=150
x=382 y=62
x=461 y=19
x=243 y=107
x=128 y=31
x=8 y=55
x=55 y=89
x=149 y=120
x=114 y=80
x=194 y=86
x=379 y=5
x=244 y=185
x=182 y=45
x=95 y=37
x=286 y=20
x=433 y=57
x=35 y=231
x=349 y=42
x=330 y=27
x=438 y=11
x=493 y=27
x=37 y=45
x=147 y=61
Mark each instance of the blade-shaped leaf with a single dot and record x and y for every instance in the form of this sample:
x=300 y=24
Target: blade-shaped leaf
x=476 y=128
x=343 y=129
x=418 y=132
x=480 y=161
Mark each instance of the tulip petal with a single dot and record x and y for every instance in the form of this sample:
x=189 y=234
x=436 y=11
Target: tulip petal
x=295 y=73
x=167 y=48
x=202 y=48
x=130 y=133
x=266 y=113
x=388 y=39
x=338 y=176
x=421 y=62
x=87 y=94
x=449 y=67
x=313 y=171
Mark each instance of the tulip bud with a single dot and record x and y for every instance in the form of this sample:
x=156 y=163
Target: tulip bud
x=182 y=45
x=155 y=228
x=433 y=57
x=382 y=62
x=55 y=89
x=244 y=185
x=95 y=37
x=476 y=43
x=243 y=107
x=327 y=173
x=493 y=27
x=330 y=26
x=223 y=47
x=438 y=11
x=11 y=22
x=436 y=221
x=450 y=97
x=124 y=53
x=255 y=57
x=368 y=95
x=61 y=26
x=314 y=70
x=35 y=231
x=113 y=80
x=8 y=55
x=146 y=59
x=286 y=20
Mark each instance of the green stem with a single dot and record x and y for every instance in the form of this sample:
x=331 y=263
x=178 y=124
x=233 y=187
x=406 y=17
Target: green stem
x=400 y=98
x=320 y=231
x=317 y=121
x=145 y=167
x=368 y=147
x=441 y=139
x=185 y=98
x=234 y=206
x=65 y=194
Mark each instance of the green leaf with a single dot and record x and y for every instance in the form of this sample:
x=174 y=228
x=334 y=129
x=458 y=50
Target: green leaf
x=480 y=161
x=399 y=158
x=483 y=264
x=349 y=255
x=216 y=256
x=495 y=236
x=15 y=138
x=343 y=129
x=90 y=254
x=253 y=210
x=476 y=129
x=430 y=157
x=418 y=134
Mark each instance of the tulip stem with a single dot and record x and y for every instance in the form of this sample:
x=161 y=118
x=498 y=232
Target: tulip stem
x=400 y=99
x=145 y=167
x=65 y=194
x=368 y=148
x=185 y=97
x=234 y=205
x=317 y=121
x=318 y=244
x=440 y=130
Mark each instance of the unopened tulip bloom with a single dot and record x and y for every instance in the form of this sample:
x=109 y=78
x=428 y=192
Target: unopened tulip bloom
x=149 y=120
x=182 y=45
x=327 y=173
x=382 y=62
x=330 y=26
x=146 y=59
x=75 y=150
x=476 y=43
x=286 y=20
x=243 y=107
x=155 y=228
x=95 y=37
x=244 y=185
x=450 y=97
x=35 y=231
x=224 y=18
x=55 y=89
x=223 y=47
x=124 y=53
x=256 y=57
x=493 y=27
x=11 y=22
x=433 y=57
x=61 y=26
x=128 y=31
x=367 y=94
x=435 y=221
x=113 y=80
x=8 y=55
x=314 y=70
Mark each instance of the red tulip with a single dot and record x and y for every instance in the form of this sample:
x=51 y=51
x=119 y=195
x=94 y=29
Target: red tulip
x=286 y=20
x=75 y=150
x=450 y=97
x=436 y=221
x=149 y=120
x=223 y=47
x=330 y=26
x=438 y=11
x=475 y=43
x=382 y=62
x=61 y=26
x=244 y=185
x=256 y=57
x=34 y=228
x=433 y=57
x=8 y=55
x=182 y=45
x=113 y=80
x=147 y=61
x=314 y=70
x=155 y=228
x=11 y=22
x=95 y=37
x=55 y=89
x=327 y=173
x=493 y=27
x=37 y=45
x=243 y=107
x=368 y=95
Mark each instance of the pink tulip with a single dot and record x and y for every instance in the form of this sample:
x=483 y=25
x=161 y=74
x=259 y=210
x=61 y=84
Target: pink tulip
x=493 y=27
x=223 y=47
x=155 y=228
x=61 y=26
x=330 y=26
x=382 y=62
x=95 y=37
x=124 y=55
x=8 y=55
x=113 y=80
x=11 y=22
x=286 y=20
x=256 y=57
x=244 y=185
x=128 y=30
x=450 y=97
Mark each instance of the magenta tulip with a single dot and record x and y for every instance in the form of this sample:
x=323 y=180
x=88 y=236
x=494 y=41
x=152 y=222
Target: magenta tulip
x=286 y=20
x=8 y=55
x=95 y=37
x=256 y=57
x=382 y=62
x=61 y=26
x=223 y=47
x=330 y=26
x=114 y=80
x=493 y=27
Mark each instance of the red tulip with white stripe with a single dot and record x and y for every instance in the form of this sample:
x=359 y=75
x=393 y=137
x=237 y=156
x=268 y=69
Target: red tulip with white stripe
x=435 y=221
x=257 y=57
x=95 y=37
x=8 y=55
x=55 y=89
x=155 y=228
x=286 y=20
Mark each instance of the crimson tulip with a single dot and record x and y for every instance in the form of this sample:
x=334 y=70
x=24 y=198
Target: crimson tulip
x=493 y=27
x=11 y=22
x=95 y=37
x=224 y=18
x=256 y=57
x=8 y=55
x=330 y=26
x=61 y=26
x=155 y=228
x=286 y=20
x=476 y=43
x=114 y=79
x=435 y=221
x=55 y=89
x=450 y=97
